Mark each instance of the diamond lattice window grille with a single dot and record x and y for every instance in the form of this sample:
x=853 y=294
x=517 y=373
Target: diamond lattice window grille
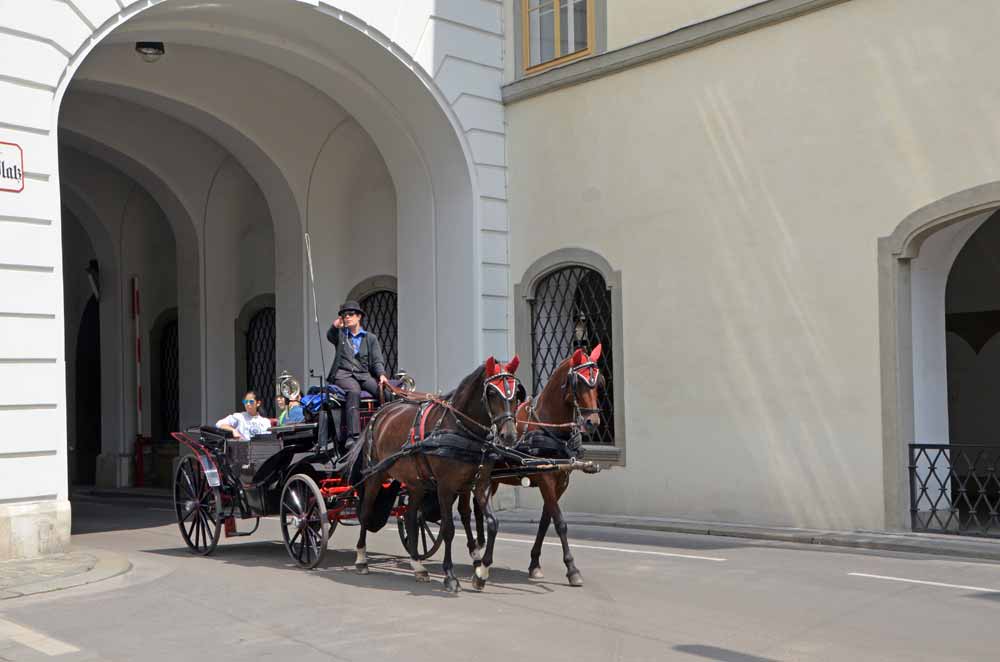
x=571 y=309
x=380 y=319
x=261 y=358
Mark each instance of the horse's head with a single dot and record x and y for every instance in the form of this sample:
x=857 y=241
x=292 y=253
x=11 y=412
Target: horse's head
x=582 y=382
x=502 y=393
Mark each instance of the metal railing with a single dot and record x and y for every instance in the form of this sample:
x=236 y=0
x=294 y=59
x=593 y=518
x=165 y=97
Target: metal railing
x=955 y=488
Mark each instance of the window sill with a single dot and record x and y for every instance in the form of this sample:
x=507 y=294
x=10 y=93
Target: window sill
x=613 y=455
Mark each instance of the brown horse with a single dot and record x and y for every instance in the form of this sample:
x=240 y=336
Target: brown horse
x=554 y=420
x=481 y=410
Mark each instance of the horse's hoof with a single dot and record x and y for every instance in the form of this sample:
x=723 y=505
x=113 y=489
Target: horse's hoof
x=575 y=579
x=536 y=573
x=477 y=583
x=423 y=576
x=362 y=568
x=451 y=585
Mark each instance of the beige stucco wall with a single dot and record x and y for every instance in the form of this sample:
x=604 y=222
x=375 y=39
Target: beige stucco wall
x=740 y=189
x=630 y=21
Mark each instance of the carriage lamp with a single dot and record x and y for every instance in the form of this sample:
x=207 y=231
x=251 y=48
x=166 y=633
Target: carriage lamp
x=150 y=51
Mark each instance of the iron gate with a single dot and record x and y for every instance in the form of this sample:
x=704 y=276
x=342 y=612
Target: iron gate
x=955 y=489
x=380 y=319
x=260 y=358
x=572 y=309
x=169 y=380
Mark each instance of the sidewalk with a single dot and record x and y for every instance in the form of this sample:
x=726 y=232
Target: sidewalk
x=59 y=571
x=916 y=543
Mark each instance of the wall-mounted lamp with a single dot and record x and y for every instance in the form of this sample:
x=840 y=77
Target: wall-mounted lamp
x=150 y=51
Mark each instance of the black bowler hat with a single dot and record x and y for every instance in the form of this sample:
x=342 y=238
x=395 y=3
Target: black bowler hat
x=350 y=305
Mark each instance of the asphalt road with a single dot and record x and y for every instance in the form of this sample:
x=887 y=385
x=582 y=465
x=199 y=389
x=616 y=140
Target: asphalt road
x=648 y=596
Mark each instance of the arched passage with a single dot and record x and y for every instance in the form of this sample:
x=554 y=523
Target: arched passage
x=421 y=81
x=914 y=264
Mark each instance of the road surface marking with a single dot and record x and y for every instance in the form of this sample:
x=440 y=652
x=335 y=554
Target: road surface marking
x=33 y=639
x=925 y=583
x=619 y=549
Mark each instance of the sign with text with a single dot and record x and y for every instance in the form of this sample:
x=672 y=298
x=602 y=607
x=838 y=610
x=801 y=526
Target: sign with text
x=11 y=167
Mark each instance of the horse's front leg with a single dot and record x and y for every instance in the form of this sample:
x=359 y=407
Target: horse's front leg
x=482 y=571
x=446 y=497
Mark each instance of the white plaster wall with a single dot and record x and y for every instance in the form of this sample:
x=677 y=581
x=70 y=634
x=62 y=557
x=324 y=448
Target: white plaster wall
x=741 y=192
x=239 y=265
x=351 y=224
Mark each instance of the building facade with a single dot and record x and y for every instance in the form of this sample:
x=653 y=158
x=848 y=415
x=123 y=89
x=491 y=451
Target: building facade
x=775 y=216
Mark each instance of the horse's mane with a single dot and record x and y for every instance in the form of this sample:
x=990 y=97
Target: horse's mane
x=459 y=397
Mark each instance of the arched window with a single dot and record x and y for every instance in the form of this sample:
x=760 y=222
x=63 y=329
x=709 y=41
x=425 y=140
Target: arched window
x=572 y=299
x=380 y=319
x=260 y=358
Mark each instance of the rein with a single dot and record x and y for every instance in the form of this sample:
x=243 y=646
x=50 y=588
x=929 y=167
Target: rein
x=416 y=397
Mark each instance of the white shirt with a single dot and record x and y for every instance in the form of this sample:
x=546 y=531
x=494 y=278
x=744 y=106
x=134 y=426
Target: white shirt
x=246 y=425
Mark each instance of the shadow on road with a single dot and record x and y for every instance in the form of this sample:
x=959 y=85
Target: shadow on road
x=388 y=572
x=720 y=654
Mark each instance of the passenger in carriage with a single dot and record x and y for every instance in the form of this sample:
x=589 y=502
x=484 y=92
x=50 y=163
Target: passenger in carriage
x=247 y=423
x=358 y=365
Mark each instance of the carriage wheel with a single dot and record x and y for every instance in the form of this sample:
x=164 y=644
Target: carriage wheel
x=429 y=533
x=305 y=526
x=198 y=506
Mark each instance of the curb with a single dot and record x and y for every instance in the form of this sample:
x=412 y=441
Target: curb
x=913 y=543
x=108 y=565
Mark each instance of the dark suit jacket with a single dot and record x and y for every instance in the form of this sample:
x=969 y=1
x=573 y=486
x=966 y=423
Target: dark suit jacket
x=368 y=360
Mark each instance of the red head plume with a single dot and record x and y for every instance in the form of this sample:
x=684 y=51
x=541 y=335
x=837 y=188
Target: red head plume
x=512 y=366
x=579 y=358
x=491 y=367
x=596 y=354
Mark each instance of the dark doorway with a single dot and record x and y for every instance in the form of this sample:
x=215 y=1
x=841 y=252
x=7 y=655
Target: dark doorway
x=88 y=394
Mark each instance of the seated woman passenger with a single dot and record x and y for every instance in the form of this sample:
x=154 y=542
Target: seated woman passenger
x=247 y=423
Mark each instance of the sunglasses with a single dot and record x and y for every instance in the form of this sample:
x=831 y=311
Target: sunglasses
x=352 y=314
x=249 y=402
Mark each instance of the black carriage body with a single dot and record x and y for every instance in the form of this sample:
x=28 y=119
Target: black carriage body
x=251 y=472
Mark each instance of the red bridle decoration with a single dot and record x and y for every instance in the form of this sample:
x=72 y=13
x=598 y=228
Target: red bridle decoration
x=501 y=376
x=585 y=366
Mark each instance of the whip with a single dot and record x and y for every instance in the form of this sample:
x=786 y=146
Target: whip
x=319 y=333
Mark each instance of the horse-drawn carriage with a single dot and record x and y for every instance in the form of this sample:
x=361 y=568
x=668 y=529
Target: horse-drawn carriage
x=417 y=455
x=297 y=472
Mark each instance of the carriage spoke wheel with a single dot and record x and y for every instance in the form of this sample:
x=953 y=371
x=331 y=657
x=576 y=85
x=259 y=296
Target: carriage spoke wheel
x=305 y=525
x=428 y=533
x=198 y=506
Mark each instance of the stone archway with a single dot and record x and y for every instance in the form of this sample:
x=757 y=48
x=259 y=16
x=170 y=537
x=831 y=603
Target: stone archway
x=431 y=106
x=911 y=306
